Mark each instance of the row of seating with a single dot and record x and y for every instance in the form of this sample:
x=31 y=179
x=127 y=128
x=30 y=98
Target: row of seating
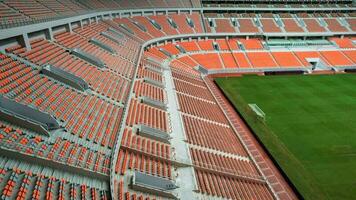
x=191 y=89
x=19 y=183
x=344 y=42
x=203 y=133
x=141 y=151
x=173 y=24
x=82 y=115
x=126 y=194
x=143 y=114
x=194 y=106
x=221 y=164
x=32 y=11
x=255 y=59
x=58 y=150
x=143 y=154
x=208 y=45
x=230 y=187
x=123 y=46
x=115 y=63
x=144 y=145
x=143 y=89
x=46 y=52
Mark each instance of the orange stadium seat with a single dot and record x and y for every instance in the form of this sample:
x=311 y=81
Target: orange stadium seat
x=351 y=55
x=224 y=26
x=189 y=46
x=343 y=42
x=335 y=26
x=251 y=43
x=222 y=44
x=313 y=25
x=261 y=59
x=162 y=20
x=150 y=28
x=233 y=44
x=209 y=60
x=171 y=48
x=269 y=25
x=290 y=25
x=286 y=59
x=336 y=58
x=303 y=55
x=247 y=26
x=241 y=60
x=228 y=60
x=125 y=95
x=206 y=45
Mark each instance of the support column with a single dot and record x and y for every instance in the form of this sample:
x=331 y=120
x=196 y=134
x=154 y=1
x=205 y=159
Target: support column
x=70 y=28
x=26 y=41
x=49 y=34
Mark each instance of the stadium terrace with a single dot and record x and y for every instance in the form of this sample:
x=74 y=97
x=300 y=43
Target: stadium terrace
x=177 y=99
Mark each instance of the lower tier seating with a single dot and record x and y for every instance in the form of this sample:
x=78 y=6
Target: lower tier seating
x=24 y=182
x=232 y=188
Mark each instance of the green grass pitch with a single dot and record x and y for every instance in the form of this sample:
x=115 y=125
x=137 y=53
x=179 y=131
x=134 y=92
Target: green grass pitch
x=309 y=129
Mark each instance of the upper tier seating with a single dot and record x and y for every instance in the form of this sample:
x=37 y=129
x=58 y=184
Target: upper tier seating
x=45 y=52
x=162 y=20
x=228 y=60
x=224 y=26
x=31 y=8
x=209 y=60
x=83 y=117
x=148 y=25
x=9 y=15
x=269 y=25
x=313 y=25
x=247 y=26
x=335 y=26
x=251 y=43
x=290 y=25
x=343 y=42
x=116 y=63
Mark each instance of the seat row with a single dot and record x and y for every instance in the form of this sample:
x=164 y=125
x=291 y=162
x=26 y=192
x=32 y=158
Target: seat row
x=230 y=187
x=86 y=117
x=223 y=163
x=144 y=89
x=115 y=63
x=197 y=107
x=45 y=52
x=222 y=166
x=144 y=27
x=26 y=184
x=58 y=150
x=143 y=154
x=22 y=10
